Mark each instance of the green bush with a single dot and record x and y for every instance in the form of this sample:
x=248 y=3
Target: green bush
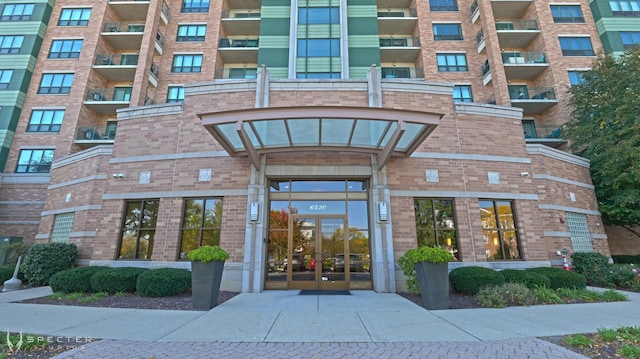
x=626 y=259
x=471 y=279
x=45 y=260
x=114 y=280
x=509 y=294
x=594 y=266
x=74 y=280
x=560 y=278
x=163 y=282
x=529 y=279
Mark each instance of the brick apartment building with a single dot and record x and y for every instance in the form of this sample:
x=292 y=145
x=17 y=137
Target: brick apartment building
x=315 y=140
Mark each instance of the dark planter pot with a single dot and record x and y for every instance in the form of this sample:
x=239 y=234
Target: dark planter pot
x=434 y=284
x=205 y=284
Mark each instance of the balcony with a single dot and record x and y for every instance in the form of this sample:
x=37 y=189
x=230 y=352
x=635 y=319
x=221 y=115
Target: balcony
x=475 y=11
x=247 y=73
x=165 y=13
x=159 y=44
x=244 y=4
x=516 y=33
x=399 y=49
x=116 y=67
x=96 y=135
x=130 y=10
x=107 y=101
x=124 y=35
x=533 y=100
x=397 y=72
x=239 y=50
x=509 y=9
x=550 y=135
x=241 y=21
x=486 y=73
x=480 y=42
x=385 y=4
x=397 y=21
x=524 y=65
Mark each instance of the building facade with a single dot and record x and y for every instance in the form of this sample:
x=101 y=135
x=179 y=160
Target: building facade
x=617 y=22
x=315 y=140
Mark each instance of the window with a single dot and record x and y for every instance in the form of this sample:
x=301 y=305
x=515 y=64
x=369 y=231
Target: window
x=452 y=62
x=318 y=15
x=499 y=230
x=122 y=93
x=318 y=75
x=35 y=161
x=575 y=77
x=576 y=46
x=74 y=17
x=45 y=121
x=319 y=48
x=191 y=32
x=436 y=224
x=242 y=73
x=630 y=39
x=443 y=5
x=17 y=12
x=395 y=72
x=195 y=6
x=447 y=32
x=201 y=223
x=625 y=7
x=55 y=84
x=579 y=230
x=175 y=94
x=65 y=49
x=62 y=225
x=567 y=13
x=10 y=44
x=462 y=93
x=138 y=229
x=5 y=78
x=186 y=63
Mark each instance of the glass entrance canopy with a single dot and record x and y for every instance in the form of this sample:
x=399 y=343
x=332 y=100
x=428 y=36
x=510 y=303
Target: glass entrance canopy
x=384 y=132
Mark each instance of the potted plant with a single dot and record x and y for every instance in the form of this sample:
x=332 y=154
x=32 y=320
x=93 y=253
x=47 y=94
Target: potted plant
x=207 y=264
x=427 y=269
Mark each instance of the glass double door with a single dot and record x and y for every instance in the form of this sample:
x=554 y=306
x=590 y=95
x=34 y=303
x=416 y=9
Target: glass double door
x=318 y=252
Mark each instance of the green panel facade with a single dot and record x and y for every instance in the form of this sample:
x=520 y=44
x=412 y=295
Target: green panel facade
x=364 y=43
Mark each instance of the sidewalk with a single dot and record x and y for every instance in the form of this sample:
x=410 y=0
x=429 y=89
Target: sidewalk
x=279 y=324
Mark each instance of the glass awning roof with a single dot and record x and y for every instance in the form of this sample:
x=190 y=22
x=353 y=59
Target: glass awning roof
x=384 y=132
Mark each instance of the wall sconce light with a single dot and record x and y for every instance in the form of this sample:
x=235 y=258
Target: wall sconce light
x=524 y=174
x=383 y=212
x=254 y=211
x=118 y=175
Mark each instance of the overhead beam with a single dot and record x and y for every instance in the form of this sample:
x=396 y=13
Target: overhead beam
x=246 y=141
x=384 y=156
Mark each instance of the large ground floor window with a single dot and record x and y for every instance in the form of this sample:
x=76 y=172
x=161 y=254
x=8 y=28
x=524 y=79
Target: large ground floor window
x=201 y=223
x=436 y=224
x=499 y=230
x=138 y=229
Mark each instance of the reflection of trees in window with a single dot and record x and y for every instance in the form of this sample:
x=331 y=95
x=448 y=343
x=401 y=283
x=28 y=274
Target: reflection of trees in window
x=279 y=234
x=436 y=224
x=499 y=231
x=138 y=229
x=202 y=220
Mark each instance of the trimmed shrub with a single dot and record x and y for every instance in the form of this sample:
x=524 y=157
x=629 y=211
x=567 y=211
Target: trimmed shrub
x=163 y=282
x=594 y=266
x=560 y=278
x=626 y=259
x=509 y=294
x=113 y=280
x=529 y=279
x=74 y=279
x=471 y=279
x=45 y=260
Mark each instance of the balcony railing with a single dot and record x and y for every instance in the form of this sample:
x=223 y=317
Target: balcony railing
x=116 y=59
x=240 y=14
x=155 y=70
x=165 y=10
x=412 y=12
x=400 y=42
x=123 y=27
x=113 y=94
x=224 y=42
x=96 y=133
x=160 y=39
x=516 y=24
x=542 y=131
x=524 y=58
x=519 y=92
x=479 y=37
x=486 y=68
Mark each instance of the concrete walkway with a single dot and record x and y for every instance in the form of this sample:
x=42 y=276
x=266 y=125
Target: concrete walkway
x=282 y=324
